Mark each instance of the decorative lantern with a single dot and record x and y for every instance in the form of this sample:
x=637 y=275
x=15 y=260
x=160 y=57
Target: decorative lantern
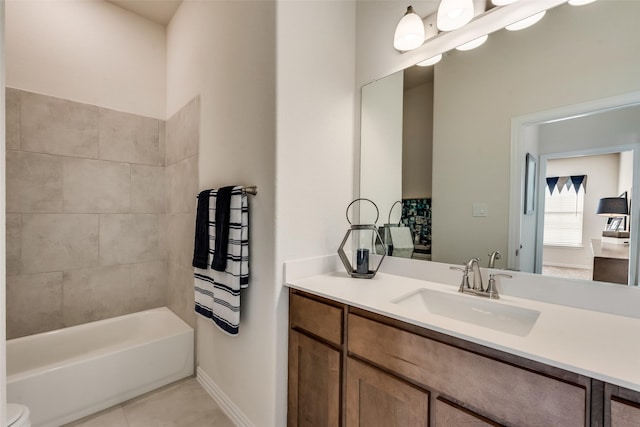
x=367 y=242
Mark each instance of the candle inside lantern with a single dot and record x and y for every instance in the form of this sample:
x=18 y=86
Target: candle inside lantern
x=362 y=261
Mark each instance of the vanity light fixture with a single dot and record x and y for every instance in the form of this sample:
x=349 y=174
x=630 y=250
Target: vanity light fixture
x=473 y=43
x=431 y=61
x=454 y=14
x=409 y=33
x=580 y=2
x=526 y=22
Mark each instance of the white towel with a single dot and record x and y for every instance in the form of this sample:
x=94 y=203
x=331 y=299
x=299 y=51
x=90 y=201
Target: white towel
x=217 y=293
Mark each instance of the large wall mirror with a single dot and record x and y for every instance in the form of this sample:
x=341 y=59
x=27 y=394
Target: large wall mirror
x=454 y=142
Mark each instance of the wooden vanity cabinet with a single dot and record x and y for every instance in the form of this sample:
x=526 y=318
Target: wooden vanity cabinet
x=315 y=362
x=621 y=407
x=375 y=398
x=350 y=367
x=490 y=388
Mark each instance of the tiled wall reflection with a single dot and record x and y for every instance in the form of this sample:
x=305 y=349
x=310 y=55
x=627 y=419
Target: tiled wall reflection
x=87 y=195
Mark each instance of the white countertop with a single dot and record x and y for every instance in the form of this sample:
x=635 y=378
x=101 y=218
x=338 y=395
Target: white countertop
x=599 y=345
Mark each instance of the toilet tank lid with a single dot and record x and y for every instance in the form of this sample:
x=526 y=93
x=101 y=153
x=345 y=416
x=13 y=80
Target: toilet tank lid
x=14 y=412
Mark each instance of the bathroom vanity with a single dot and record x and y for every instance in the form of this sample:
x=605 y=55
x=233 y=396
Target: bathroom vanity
x=372 y=353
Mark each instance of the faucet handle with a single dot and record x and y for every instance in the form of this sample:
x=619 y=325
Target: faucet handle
x=491 y=287
x=465 y=278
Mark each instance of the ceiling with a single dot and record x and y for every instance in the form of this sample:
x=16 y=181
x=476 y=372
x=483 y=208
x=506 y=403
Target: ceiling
x=160 y=11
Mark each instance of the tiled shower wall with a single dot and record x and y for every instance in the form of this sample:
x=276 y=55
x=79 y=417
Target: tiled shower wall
x=100 y=212
x=86 y=199
x=183 y=136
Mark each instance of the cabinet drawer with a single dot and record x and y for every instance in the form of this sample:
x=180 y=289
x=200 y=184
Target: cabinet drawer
x=317 y=318
x=503 y=392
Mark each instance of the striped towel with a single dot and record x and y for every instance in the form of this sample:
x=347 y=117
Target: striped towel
x=218 y=292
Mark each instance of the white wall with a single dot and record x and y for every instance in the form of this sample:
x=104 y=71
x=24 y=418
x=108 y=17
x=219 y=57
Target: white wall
x=625 y=178
x=381 y=147
x=233 y=71
x=417 y=141
x=298 y=151
x=86 y=51
x=3 y=258
x=315 y=109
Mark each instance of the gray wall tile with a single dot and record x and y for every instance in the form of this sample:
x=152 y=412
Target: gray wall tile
x=12 y=118
x=96 y=186
x=163 y=236
x=147 y=189
x=183 y=132
x=95 y=294
x=57 y=126
x=13 y=244
x=180 y=293
x=34 y=304
x=129 y=238
x=182 y=186
x=34 y=182
x=162 y=143
x=129 y=137
x=148 y=285
x=180 y=234
x=58 y=242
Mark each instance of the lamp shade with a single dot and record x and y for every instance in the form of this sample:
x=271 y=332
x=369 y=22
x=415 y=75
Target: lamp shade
x=409 y=33
x=454 y=14
x=613 y=206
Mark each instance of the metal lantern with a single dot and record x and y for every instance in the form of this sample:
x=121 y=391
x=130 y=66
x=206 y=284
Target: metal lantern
x=367 y=242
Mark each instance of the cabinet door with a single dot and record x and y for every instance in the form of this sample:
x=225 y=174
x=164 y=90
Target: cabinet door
x=448 y=414
x=314 y=383
x=377 y=399
x=624 y=414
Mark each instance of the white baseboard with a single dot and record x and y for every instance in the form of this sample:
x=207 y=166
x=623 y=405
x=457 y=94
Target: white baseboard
x=226 y=404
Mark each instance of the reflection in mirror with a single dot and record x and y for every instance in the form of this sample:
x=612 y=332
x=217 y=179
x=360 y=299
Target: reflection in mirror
x=450 y=144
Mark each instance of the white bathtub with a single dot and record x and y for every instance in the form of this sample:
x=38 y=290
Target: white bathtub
x=70 y=373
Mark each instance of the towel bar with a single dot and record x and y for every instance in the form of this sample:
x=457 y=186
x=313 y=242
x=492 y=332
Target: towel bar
x=252 y=190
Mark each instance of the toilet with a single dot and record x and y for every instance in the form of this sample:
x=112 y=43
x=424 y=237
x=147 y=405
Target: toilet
x=17 y=415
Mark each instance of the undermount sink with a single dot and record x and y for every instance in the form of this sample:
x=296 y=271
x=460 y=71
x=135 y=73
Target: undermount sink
x=485 y=313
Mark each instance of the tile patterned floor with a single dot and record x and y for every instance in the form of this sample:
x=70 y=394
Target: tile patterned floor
x=184 y=404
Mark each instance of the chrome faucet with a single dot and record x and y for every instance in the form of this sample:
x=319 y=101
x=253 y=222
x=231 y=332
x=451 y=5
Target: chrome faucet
x=473 y=266
x=493 y=256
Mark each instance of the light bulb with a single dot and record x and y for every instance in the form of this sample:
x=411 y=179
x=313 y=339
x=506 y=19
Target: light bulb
x=431 y=61
x=526 y=22
x=580 y=2
x=409 y=33
x=502 y=2
x=454 y=14
x=473 y=43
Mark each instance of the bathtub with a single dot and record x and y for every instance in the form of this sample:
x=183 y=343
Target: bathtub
x=70 y=373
